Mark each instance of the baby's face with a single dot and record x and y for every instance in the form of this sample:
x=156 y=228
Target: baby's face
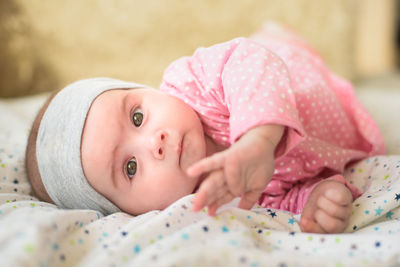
x=136 y=146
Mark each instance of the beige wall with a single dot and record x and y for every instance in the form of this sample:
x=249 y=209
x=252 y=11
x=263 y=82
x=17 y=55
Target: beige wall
x=46 y=44
x=375 y=37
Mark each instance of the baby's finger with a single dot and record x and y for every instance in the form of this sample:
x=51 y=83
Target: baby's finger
x=333 y=208
x=339 y=197
x=236 y=183
x=308 y=225
x=329 y=224
x=199 y=201
x=213 y=207
x=207 y=192
x=221 y=192
x=249 y=199
x=208 y=164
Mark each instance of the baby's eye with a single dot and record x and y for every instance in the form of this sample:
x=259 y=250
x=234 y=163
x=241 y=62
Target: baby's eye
x=137 y=117
x=131 y=168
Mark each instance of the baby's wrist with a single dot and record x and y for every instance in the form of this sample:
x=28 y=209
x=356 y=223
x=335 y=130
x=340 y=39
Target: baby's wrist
x=270 y=133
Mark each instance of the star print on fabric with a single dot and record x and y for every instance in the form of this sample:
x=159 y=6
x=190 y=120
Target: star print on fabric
x=397 y=197
x=291 y=221
x=389 y=214
x=136 y=249
x=273 y=214
x=378 y=211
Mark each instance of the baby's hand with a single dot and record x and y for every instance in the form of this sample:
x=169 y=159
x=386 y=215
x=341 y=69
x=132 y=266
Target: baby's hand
x=243 y=170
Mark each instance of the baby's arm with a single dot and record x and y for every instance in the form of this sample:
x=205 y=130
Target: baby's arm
x=243 y=170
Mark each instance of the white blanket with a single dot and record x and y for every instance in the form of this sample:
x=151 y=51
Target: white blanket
x=34 y=233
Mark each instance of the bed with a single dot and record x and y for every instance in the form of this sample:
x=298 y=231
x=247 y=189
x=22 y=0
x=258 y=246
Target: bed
x=34 y=233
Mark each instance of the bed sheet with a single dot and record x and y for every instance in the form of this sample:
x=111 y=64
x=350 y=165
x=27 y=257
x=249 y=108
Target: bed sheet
x=34 y=233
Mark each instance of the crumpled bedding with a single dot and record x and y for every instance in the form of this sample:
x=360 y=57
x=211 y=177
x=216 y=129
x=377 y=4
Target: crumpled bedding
x=34 y=233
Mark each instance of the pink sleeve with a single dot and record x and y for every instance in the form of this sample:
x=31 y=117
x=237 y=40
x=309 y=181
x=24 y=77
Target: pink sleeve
x=257 y=90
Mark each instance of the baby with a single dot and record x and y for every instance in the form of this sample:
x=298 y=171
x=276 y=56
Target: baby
x=262 y=119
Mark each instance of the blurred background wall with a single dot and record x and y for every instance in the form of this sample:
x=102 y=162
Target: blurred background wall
x=46 y=44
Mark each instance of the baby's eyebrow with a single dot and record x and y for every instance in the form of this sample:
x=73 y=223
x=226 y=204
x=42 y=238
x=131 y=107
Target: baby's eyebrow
x=124 y=103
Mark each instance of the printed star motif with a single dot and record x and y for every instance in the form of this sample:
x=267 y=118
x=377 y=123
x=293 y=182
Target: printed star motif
x=397 y=197
x=225 y=229
x=273 y=214
x=378 y=211
x=389 y=214
x=291 y=221
x=136 y=249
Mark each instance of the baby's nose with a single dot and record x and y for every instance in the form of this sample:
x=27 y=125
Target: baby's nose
x=158 y=144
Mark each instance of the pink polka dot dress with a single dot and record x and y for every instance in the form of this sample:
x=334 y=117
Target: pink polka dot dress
x=240 y=84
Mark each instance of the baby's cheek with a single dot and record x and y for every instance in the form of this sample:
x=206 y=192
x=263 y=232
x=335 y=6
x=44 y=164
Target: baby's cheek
x=179 y=188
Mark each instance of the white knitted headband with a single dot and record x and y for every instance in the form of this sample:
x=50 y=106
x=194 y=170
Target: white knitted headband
x=58 y=145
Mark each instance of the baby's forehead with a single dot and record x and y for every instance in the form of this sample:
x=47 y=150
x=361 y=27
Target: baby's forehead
x=109 y=107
